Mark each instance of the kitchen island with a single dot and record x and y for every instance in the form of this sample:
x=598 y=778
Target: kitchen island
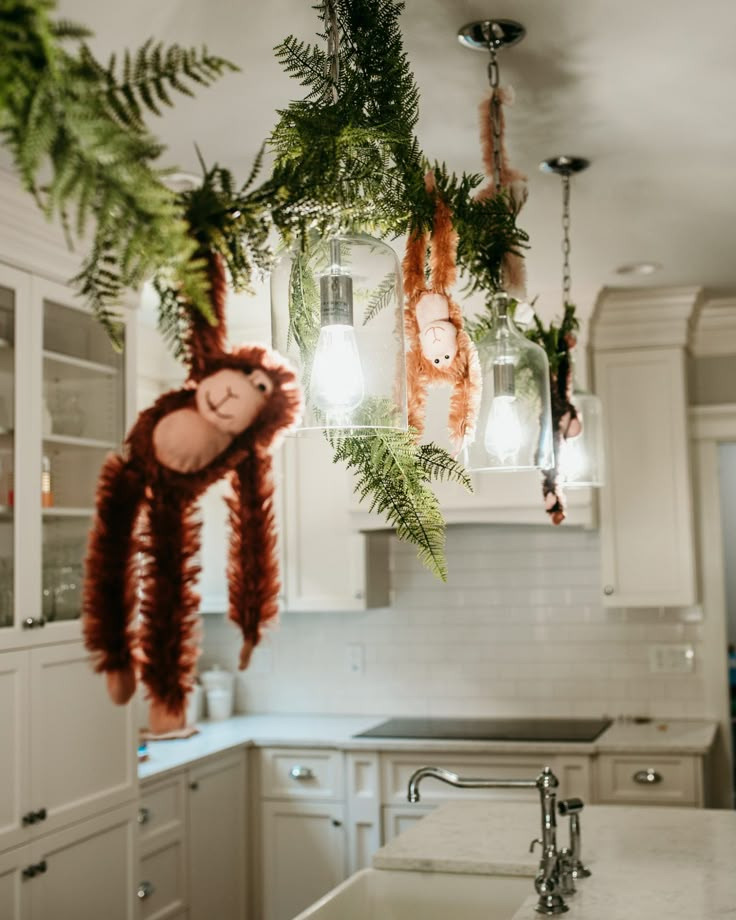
x=646 y=862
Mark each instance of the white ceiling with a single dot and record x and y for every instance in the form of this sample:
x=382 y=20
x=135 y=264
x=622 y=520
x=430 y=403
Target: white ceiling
x=643 y=88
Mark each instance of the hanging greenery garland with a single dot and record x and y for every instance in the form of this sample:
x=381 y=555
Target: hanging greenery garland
x=345 y=156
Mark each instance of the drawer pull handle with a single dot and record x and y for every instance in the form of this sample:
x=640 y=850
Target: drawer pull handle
x=145 y=890
x=299 y=772
x=34 y=870
x=647 y=777
x=33 y=817
x=144 y=815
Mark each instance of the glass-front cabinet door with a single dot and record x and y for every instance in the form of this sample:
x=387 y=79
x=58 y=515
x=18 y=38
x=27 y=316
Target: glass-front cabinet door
x=62 y=411
x=14 y=289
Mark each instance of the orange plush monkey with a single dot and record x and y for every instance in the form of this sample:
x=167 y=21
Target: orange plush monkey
x=439 y=349
x=509 y=178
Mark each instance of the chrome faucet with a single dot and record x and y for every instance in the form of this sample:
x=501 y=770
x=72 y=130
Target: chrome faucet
x=553 y=873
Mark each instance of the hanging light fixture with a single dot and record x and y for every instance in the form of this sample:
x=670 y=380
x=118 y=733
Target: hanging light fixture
x=337 y=314
x=515 y=428
x=580 y=463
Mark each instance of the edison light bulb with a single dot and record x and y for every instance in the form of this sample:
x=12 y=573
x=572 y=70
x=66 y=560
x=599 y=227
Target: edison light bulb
x=337 y=377
x=503 y=432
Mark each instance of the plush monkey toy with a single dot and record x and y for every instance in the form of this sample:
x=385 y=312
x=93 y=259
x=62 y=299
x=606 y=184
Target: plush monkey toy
x=140 y=608
x=565 y=424
x=439 y=349
x=511 y=179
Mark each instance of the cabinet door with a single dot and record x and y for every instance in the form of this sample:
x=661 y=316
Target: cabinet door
x=648 y=555
x=14 y=903
x=328 y=564
x=217 y=830
x=14 y=779
x=89 y=870
x=81 y=403
x=83 y=748
x=303 y=855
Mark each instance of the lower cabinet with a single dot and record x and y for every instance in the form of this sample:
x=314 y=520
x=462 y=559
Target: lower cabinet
x=85 y=872
x=303 y=855
x=623 y=779
x=192 y=828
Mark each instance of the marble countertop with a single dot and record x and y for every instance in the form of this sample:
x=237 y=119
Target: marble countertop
x=646 y=862
x=664 y=737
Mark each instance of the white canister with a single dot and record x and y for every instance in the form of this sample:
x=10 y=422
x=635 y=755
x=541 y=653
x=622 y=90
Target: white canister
x=217 y=679
x=219 y=704
x=195 y=705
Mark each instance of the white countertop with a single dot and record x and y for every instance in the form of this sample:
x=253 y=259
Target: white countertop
x=670 y=736
x=647 y=863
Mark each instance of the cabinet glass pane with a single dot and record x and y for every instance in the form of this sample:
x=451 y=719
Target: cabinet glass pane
x=82 y=422
x=7 y=445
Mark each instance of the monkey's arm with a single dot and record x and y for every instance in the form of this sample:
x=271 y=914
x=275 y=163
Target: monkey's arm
x=465 y=398
x=417 y=383
x=253 y=575
x=109 y=587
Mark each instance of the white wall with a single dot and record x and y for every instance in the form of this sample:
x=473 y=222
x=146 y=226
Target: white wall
x=518 y=629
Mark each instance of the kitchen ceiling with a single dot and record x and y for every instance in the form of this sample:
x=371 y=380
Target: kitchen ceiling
x=643 y=88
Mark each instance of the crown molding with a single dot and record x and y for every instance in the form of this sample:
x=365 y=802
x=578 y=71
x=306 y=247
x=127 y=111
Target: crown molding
x=713 y=423
x=715 y=332
x=625 y=318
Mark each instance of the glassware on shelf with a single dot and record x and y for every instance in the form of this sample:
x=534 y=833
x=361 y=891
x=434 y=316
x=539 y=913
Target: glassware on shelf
x=6 y=593
x=47 y=495
x=67 y=415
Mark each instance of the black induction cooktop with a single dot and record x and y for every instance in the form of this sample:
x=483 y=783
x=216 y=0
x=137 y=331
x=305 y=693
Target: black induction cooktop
x=566 y=730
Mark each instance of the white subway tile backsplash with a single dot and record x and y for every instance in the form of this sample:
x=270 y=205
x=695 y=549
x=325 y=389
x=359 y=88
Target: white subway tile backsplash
x=518 y=630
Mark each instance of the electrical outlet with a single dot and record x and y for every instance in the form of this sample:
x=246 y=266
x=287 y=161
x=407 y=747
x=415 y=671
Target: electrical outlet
x=356 y=658
x=671 y=659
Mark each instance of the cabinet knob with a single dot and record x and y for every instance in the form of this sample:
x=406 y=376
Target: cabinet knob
x=33 y=817
x=336 y=823
x=145 y=890
x=33 y=622
x=144 y=815
x=608 y=590
x=647 y=777
x=299 y=772
x=35 y=869
x=194 y=786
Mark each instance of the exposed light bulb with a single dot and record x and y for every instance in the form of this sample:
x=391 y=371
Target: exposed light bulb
x=573 y=462
x=503 y=434
x=337 y=377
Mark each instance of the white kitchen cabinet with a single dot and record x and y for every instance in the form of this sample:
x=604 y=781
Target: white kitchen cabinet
x=303 y=854
x=636 y=779
x=192 y=831
x=363 y=800
x=85 y=872
x=328 y=565
x=217 y=833
x=648 y=550
x=15 y=793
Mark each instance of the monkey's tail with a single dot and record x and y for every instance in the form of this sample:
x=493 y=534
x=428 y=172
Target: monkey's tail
x=253 y=573
x=109 y=587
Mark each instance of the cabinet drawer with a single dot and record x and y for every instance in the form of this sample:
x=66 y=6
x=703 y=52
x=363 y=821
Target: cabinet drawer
x=162 y=883
x=649 y=780
x=161 y=809
x=301 y=774
x=397 y=768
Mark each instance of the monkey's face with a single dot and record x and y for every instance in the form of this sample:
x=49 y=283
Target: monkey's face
x=439 y=343
x=231 y=400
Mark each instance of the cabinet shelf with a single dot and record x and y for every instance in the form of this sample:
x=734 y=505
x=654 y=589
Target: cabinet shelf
x=68 y=512
x=82 y=363
x=72 y=441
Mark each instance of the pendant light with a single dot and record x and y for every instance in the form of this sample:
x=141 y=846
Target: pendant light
x=515 y=421
x=580 y=462
x=337 y=314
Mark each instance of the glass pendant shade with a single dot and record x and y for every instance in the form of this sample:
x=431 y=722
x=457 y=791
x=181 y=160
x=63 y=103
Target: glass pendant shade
x=515 y=422
x=337 y=314
x=581 y=461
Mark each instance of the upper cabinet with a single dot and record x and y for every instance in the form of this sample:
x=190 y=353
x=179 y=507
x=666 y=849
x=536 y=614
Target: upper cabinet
x=640 y=339
x=62 y=410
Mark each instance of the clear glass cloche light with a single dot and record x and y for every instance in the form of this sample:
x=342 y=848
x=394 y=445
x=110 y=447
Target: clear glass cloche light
x=515 y=422
x=337 y=314
x=581 y=463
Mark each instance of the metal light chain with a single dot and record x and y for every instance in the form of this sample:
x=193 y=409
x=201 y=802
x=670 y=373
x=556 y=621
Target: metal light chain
x=566 y=275
x=493 y=79
x=333 y=47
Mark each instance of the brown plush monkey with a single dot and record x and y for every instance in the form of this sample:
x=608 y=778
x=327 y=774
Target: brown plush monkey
x=439 y=349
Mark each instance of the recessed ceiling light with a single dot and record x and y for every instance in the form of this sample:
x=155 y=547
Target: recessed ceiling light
x=638 y=268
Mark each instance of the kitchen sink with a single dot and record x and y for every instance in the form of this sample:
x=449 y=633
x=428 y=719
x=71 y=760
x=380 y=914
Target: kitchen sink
x=386 y=894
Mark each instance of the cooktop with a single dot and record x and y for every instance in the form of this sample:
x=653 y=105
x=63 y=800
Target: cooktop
x=584 y=730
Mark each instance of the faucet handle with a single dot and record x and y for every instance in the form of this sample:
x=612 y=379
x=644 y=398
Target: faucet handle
x=534 y=842
x=570 y=806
